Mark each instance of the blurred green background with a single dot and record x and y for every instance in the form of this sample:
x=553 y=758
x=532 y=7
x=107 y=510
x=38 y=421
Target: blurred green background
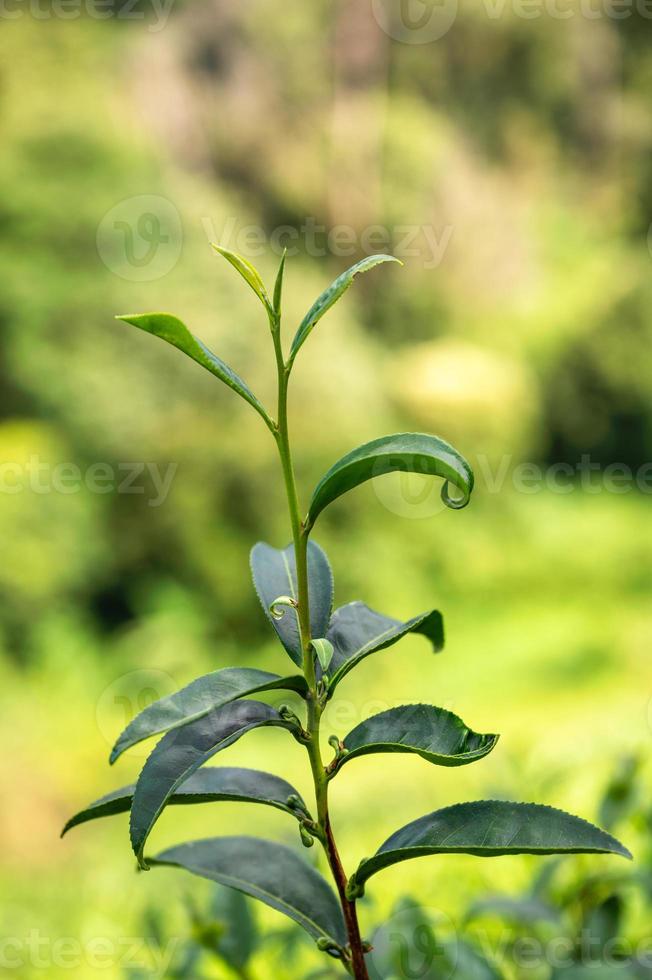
x=508 y=161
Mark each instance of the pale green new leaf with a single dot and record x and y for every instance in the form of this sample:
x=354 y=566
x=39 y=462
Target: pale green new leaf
x=250 y=275
x=278 y=285
x=324 y=650
x=331 y=295
x=173 y=331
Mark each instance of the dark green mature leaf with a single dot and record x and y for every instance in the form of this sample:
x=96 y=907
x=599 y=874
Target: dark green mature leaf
x=172 y=330
x=205 y=786
x=239 y=936
x=355 y=631
x=201 y=696
x=268 y=871
x=331 y=295
x=250 y=275
x=469 y=962
x=409 y=944
x=275 y=574
x=489 y=828
x=407 y=452
x=525 y=911
x=437 y=735
x=182 y=751
x=601 y=924
x=622 y=792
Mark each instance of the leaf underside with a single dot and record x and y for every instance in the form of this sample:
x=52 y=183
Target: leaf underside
x=407 y=452
x=490 y=828
x=201 y=696
x=274 y=572
x=181 y=752
x=437 y=735
x=209 y=785
x=268 y=871
x=356 y=631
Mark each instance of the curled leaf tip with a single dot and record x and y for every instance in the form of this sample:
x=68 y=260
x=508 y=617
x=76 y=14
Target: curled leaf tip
x=353 y=889
x=455 y=503
x=281 y=601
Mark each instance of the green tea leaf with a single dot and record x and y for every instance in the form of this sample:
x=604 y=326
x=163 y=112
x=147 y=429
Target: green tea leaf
x=407 y=452
x=270 y=872
x=182 y=751
x=172 y=330
x=601 y=925
x=275 y=574
x=278 y=285
x=331 y=295
x=239 y=938
x=410 y=944
x=201 y=696
x=437 y=735
x=622 y=792
x=324 y=651
x=489 y=828
x=205 y=786
x=250 y=275
x=356 y=631
x=469 y=962
x=525 y=911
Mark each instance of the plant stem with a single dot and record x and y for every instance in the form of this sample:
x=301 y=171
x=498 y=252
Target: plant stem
x=357 y=965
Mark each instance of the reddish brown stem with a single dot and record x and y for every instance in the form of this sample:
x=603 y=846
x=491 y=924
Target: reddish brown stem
x=350 y=913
